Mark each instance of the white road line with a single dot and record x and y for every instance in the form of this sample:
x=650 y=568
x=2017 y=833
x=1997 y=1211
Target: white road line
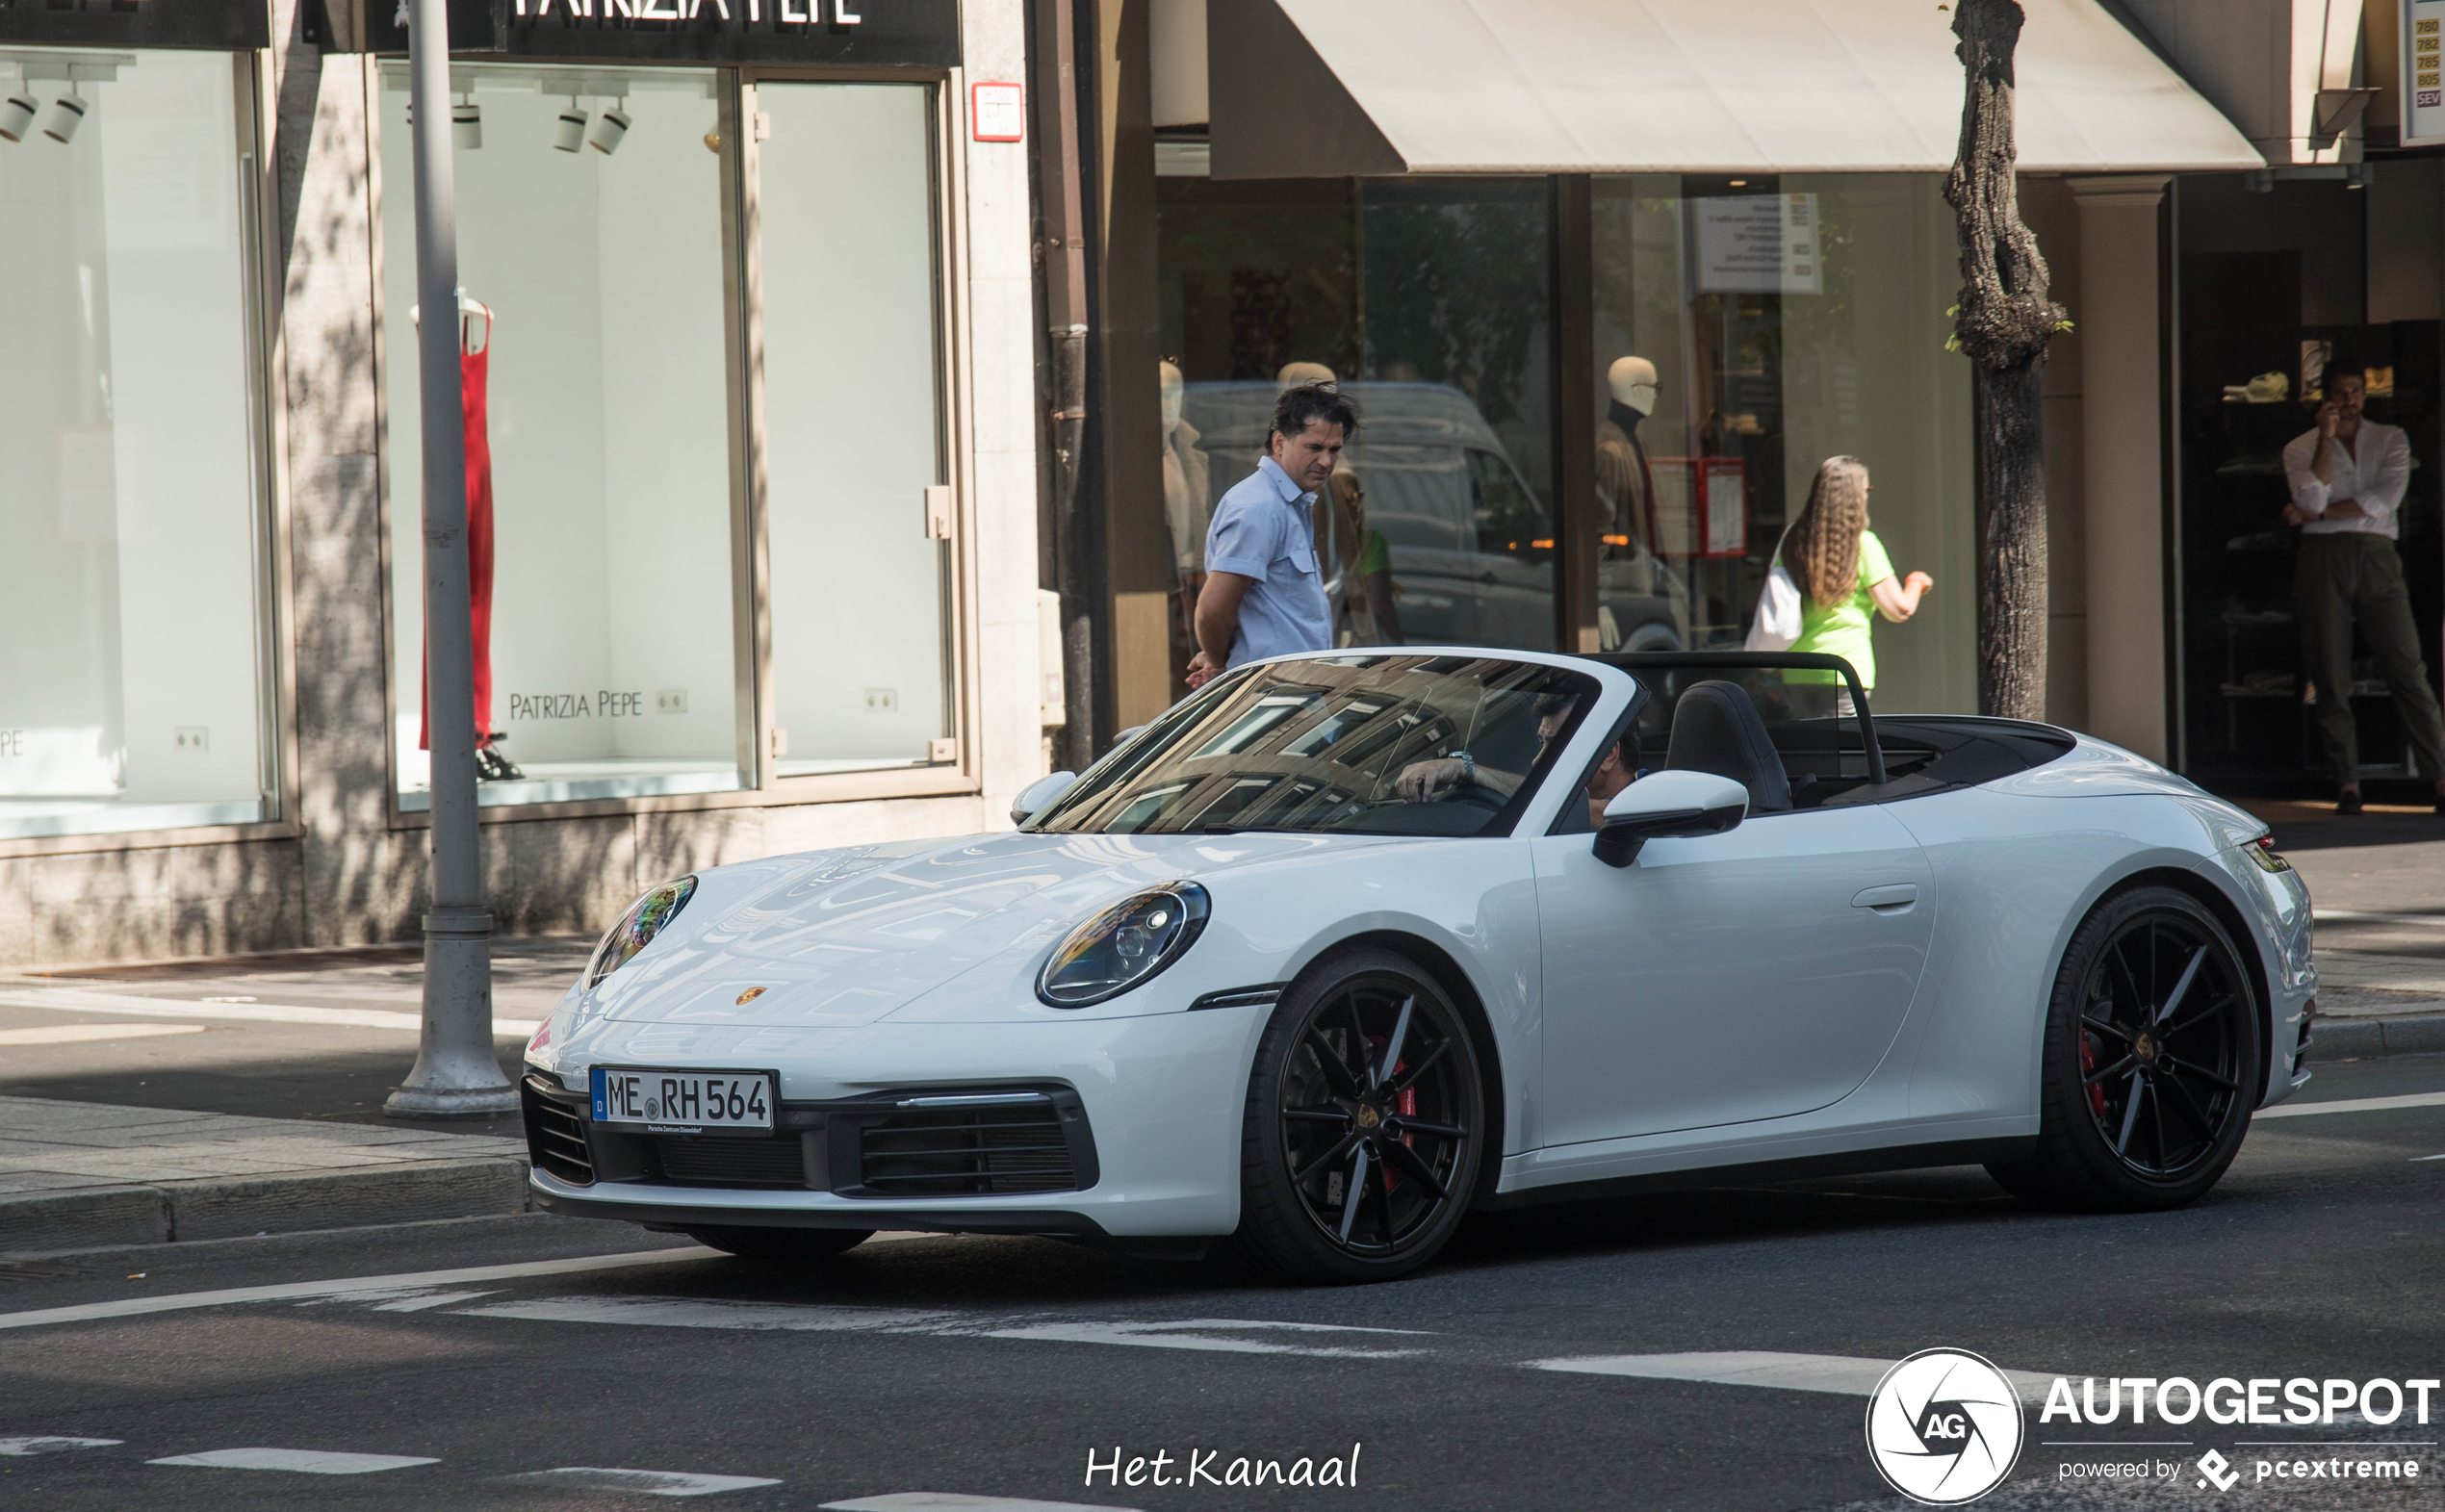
x=643 y=1482
x=953 y=1501
x=307 y=1462
x=52 y=1443
x=138 y=1306
x=71 y=1000
x=1842 y=1374
x=1186 y=1336
x=679 y=1312
x=417 y=1304
x=2354 y=1105
x=2351 y=916
x=79 y=1034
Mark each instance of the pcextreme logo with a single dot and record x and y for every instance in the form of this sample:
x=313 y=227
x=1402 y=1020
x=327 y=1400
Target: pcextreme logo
x=1944 y=1427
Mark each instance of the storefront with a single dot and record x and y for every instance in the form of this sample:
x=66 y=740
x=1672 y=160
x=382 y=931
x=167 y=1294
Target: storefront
x=746 y=350
x=1610 y=283
x=2290 y=279
x=138 y=413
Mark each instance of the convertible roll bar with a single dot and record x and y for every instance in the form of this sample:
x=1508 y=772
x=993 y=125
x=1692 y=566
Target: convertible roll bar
x=1633 y=661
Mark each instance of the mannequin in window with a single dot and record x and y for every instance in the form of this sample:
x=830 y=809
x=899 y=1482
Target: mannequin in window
x=1364 y=615
x=1187 y=502
x=1629 y=542
x=475 y=362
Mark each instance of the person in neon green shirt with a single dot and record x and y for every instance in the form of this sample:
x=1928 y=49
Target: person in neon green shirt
x=1842 y=573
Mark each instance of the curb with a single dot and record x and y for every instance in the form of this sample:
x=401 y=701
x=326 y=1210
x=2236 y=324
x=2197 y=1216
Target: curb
x=160 y=1212
x=2369 y=1039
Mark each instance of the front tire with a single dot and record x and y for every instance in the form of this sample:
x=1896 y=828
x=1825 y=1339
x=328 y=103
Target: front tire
x=783 y=1245
x=1365 y=1125
x=2152 y=1062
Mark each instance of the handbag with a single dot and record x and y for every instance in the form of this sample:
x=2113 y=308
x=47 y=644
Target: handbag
x=1777 y=625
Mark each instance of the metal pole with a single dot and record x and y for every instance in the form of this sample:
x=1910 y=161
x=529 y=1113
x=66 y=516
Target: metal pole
x=455 y=1074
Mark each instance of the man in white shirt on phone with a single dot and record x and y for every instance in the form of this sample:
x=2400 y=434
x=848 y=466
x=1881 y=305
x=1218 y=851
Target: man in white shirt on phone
x=2347 y=476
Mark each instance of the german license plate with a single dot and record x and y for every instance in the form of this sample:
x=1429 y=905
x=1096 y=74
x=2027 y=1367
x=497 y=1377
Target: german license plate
x=685 y=1102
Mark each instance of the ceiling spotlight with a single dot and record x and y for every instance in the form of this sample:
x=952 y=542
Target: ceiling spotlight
x=608 y=128
x=569 y=132
x=66 y=114
x=16 y=115
x=467 y=126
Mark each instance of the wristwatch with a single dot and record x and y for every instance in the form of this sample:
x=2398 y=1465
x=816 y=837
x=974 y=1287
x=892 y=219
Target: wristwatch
x=1468 y=768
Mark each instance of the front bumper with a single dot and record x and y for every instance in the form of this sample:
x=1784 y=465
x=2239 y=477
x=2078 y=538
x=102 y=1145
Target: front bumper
x=1118 y=1127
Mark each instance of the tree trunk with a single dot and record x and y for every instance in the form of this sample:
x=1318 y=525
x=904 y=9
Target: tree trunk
x=2002 y=323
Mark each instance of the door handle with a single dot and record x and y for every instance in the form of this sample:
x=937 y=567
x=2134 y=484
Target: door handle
x=1894 y=898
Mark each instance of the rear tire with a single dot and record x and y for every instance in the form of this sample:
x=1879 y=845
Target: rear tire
x=2151 y=1061
x=1365 y=1124
x=783 y=1245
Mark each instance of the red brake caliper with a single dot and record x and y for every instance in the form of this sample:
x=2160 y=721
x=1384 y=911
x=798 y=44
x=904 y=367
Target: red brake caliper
x=2088 y=1065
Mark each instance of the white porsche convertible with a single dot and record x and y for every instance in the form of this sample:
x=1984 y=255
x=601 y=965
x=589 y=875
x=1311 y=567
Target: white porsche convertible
x=1344 y=946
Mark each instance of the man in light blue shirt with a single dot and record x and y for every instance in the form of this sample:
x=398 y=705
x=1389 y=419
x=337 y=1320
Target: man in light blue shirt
x=1264 y=591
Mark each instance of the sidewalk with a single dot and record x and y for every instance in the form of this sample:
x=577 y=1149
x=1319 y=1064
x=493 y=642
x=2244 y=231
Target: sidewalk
x=80 y=1175
x=2378 y=883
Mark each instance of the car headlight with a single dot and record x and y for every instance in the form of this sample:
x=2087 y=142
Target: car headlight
x=637 y=928
x=1124 y=946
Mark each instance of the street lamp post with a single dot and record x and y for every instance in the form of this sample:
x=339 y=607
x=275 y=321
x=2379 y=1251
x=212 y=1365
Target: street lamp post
x=455 y=1074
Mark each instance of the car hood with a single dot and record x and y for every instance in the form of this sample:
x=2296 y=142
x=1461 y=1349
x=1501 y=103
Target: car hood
x=847 y=937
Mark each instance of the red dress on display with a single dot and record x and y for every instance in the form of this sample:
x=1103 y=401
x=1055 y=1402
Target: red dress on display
x=473 y=369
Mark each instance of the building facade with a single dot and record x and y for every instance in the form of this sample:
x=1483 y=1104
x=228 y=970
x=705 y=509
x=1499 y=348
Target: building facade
x=1474 y=216
x=747 y=356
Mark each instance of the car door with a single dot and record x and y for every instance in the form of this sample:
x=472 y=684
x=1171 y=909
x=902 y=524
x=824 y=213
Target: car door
x=1718 y=980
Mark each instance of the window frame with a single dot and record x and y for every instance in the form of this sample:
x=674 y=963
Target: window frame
x=272 y=585
x=751 y=577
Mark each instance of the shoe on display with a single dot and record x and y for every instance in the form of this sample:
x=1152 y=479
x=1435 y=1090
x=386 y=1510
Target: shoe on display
x=491 y=766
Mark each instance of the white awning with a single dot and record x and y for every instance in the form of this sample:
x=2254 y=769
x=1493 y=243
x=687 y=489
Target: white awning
x=1323 y=88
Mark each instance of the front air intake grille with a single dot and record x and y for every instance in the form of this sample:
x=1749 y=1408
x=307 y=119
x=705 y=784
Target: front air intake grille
x=953 y=1151
x=556 y=1135
x=775 y=1164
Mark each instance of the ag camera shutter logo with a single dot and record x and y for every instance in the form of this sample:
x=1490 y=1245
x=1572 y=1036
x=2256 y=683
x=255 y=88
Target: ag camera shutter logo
x=1945 y=1427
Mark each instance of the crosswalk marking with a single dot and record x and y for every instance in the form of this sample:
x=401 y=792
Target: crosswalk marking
x=953 y=1501
x=644 y=1482
x=1206 y=1333
x=294 y=1291
x=1843 y=1374
x=681 y=1311
x=77 y=1000
x=81 y=1034
x=309 y=1462
x=52 y=1443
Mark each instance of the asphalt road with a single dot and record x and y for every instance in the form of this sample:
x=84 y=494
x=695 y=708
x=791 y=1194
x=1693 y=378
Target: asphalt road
x=997 y=1367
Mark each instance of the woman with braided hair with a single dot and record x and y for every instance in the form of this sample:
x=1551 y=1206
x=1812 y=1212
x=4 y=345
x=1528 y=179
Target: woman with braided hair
x=1842 y=573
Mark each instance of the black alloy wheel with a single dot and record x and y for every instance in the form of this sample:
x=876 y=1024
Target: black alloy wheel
x=1365 y=1124
x=2152 y=1062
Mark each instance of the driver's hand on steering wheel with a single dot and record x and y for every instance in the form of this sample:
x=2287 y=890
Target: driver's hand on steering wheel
x=1421 y=781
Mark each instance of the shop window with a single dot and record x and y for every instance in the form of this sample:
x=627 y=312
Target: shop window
x=1781 y=321
x=593 y=332
x=853 y=430
x=1430 y=303
x=132 y=687
x=2285 y=284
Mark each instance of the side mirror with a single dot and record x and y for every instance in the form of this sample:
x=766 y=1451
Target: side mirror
x=1669 y=803
x=1033 y=799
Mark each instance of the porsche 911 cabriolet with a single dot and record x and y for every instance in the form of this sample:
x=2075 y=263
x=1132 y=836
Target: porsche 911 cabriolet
x=1345 y=946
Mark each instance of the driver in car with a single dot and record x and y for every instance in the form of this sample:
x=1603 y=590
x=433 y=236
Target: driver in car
x=1425 y=781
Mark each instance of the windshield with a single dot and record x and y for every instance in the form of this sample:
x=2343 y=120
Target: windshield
x=1371 y=744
